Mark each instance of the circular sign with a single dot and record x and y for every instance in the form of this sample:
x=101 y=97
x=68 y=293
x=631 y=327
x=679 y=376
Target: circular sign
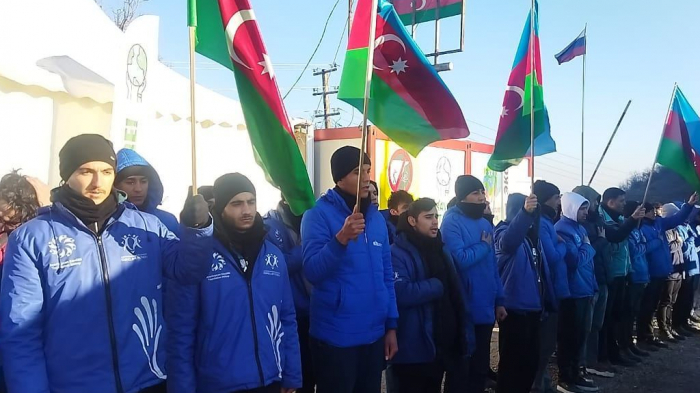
x=400 y=171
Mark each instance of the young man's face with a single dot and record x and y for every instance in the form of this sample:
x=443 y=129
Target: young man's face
x=582 y=215
x=554 y=202
x=618 y=204
x=240 y=211
x=650 y=214
x=426 y=223
x=373 y=194
x=136 y=189
x=93 y=180
x=478 y=197
x=349 y=182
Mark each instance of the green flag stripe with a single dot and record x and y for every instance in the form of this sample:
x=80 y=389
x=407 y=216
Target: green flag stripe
x=429 y=15
x=352 y=84
x=672 y=156
x=192 y=13
x=211 y=34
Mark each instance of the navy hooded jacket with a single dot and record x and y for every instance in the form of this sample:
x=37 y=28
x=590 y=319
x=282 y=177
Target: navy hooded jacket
x=390 y=227
x=554 y=251
x=81 y=313
x=228 y=334
x=353 y=301
x=579 y=254
x=527 y=282
x=638 y=255
x=127 y=158
x=475 y=261
x=658 y=255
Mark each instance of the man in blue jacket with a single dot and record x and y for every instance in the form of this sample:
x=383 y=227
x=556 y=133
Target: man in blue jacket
x=81 y=299
x=554 y=249
x=347 y=258
x=469 y=237
x=142 y=185
x=574 y=310
x=660 y=266
x=236 y=331
x=398 y=203
x=527 y=285
x=284 y=231
x=432 y=331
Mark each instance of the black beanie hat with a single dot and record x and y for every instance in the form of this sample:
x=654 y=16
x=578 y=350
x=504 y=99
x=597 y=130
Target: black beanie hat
x=345 y=160
x=207 y=192
x=82 y=149
x=228 y=186
x=465 y=185
x=544 y=191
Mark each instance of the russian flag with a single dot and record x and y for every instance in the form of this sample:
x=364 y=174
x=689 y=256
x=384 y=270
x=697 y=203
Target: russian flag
x=574 y=49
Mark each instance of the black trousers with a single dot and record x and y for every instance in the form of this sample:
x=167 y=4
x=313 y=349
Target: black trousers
x=480 y=362
x=650 y=302
x=519 y=349
x=608 y=344
x=630 y=313
x=669 y=294
x=307 y=364
x=571 y=337
x=272 y=388
x=418 y=378
x=160 y=388
x=348 y=370
x=457 y=379
x=684 y=303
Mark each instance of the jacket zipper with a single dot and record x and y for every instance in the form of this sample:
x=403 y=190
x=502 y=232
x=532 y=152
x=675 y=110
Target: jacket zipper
x=252 y=319
x=110 y=317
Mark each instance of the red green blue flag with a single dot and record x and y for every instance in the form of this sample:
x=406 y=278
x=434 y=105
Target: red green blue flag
x=681 y=141
x=425 y=10
x=409 y=102
x=524 y=86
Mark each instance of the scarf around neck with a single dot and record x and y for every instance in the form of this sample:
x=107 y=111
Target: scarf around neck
x=85 y=209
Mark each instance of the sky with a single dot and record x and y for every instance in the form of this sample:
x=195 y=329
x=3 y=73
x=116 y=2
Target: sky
x=637 y=49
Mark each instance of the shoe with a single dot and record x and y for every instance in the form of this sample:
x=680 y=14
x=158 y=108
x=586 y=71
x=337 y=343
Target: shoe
x=600 y=370
x=622 y=362
x=638 y=352
x=692 y=328
x=695 y=319
x=688 y=330
x=677 y=335
x=667 y=336
x=627 y=354
x=586 y=384
x=565 y=387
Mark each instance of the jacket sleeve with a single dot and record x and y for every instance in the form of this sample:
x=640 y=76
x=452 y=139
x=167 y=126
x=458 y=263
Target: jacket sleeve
x=411 y=293
x=292 y=257
x=186 y=260
x=554 y=250
x=676 y=219
x=291 y=374
x=21 y=322
x=182 y=314
x=464 y=256
x=618 y=234
x=322 y=252
x=654 y=242
x=577 y=255
x=392 y=321
x=513 y=236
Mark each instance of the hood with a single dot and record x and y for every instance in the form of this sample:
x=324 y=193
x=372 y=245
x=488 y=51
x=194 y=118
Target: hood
x=588 y=193
x=127 y=158
x=570 y=203
x=669 y=210
x=515 y=204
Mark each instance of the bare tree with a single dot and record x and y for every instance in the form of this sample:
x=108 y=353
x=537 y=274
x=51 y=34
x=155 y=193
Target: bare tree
x=125 y=13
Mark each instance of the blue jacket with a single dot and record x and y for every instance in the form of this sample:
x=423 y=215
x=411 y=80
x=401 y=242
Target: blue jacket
x=287 y=240
x=416 y=296
x=127 y=158
x=228 y=334
x=475 y=262
x=579 y=258
x=390 y=227
x=554 y=251
x=658 y=255
x=638 y=254
x=83 y=314
x=353 y=301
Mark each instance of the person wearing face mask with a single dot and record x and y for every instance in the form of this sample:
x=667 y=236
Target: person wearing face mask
x=469 y=238
x=81 y=299
x=236 y=330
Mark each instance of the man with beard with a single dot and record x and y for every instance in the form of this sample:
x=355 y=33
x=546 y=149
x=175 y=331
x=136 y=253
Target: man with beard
x=469 y=237
x=432 y=331
x=347 y=258
x=235 y=331
x=398 y=203
x=142 y=185
x=81 y=297
x=284 y=231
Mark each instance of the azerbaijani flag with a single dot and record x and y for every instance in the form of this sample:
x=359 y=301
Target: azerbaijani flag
x=409 y=102
x=425 y=10
x=227 y=33
x=513 y=137
x=680 y=141
x=576 y=48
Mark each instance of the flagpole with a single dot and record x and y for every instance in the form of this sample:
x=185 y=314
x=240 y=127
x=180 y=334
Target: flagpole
x=368 y=86
x=661 y=139
x=583 y=100
x=609 y=143
x=193 y=122
x=532 y=94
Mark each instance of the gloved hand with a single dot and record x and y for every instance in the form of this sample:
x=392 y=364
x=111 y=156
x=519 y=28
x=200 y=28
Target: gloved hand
x=195 y=214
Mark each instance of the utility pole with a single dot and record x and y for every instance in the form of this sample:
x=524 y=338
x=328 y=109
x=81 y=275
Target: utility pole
x=326 y=91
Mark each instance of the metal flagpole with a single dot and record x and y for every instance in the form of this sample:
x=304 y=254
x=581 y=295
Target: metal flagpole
x=368 y=85
x=193 y=122
x=583 y=100
x=609 y=142
x=656 y=156
x=532 y=94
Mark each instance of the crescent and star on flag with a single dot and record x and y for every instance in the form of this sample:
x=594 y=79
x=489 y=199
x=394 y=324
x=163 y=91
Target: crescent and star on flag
x=232 y=27
x=399 y=65
x=521 y=93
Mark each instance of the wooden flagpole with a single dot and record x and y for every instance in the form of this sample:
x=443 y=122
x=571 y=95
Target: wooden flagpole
x=661 y=139
x=532 y=94
x=193 y=121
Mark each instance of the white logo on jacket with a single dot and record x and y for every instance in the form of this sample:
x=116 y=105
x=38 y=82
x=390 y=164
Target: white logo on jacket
x=272 y=262
x=219 y=262
x=377 y=244
x=276 y=334
x=131 y=244
x=148 y=331
x=63 y=246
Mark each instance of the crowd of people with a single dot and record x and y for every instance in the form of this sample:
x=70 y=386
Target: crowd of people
x=102 y=291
